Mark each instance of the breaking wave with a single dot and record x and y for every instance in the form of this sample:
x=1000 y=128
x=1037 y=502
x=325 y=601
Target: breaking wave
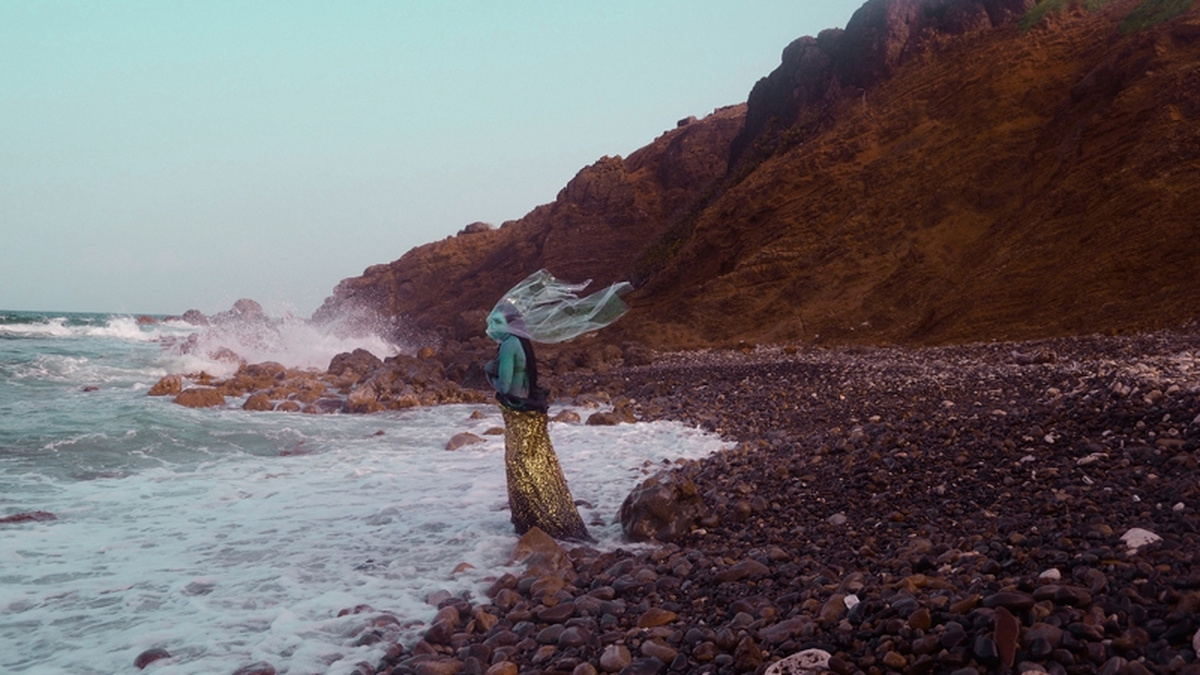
x=222 y=346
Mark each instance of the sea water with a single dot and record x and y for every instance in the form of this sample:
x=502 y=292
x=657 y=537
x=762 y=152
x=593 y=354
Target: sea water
x=229 y=537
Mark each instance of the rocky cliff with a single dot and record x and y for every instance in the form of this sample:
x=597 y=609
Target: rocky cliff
x=938 y=171
x=595 y=229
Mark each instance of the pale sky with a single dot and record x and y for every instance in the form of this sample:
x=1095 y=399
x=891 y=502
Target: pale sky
x=159 y=156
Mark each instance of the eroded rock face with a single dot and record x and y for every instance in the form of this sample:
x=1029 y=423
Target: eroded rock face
x=596 y=228
x=918 y=177
x=882 y=35
x=662 y=508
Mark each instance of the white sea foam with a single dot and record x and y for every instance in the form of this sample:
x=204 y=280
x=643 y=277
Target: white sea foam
x=293 y=342
x=116 y=327
x=223 y=552
x=53 y=327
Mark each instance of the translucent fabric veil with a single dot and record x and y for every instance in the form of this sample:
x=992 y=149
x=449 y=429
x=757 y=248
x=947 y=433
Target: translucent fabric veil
x=544 y=309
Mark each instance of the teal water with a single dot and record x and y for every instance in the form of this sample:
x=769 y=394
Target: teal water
x=228 y=537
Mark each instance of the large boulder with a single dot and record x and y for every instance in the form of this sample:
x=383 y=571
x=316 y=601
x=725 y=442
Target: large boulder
x=358 y=364
x=200 y=397
x=169 y=385
x=662 y=508
x=245 y=310
x=255 y=378
x=195 y=317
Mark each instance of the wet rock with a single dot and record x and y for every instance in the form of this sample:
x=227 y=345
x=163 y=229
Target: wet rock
x=440 y=633
x=557 y=614
x=660 y=650
x=746 y=569
x=603 y=419
x=258 y=402
x=785 y=630
x=574 y=636
x=1012 y=600
x=985 y=651
x=647 y=666
x=1007 y=631
x=541 y=553
x=747 y=655
x=895 y=660
x=150 y=656
x=195 y=317
x=170 y=385
x=256 y=668
x=662 y=508
x=463 y=439
x=439 y=666
x=615 y=658
x=27 y=517
x=363 y=400
x=656 y=616
x=200 y=397
x=566 y=417
x=360 y=363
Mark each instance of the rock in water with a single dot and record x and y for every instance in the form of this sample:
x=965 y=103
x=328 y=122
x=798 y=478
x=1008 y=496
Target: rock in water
x=150 y=656
x=169 y=385
x=200 y=397
x=463 y=439
x=28 y=516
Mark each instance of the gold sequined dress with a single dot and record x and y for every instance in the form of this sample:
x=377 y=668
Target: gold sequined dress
x=537 y=490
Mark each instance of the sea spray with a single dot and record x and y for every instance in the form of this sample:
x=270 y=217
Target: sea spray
x=218 y=348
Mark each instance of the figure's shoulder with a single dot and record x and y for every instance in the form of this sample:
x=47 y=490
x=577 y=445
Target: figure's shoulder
x=511 y=346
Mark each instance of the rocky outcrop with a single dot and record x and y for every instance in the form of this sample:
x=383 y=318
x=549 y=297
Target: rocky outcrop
x=935 y=172
x=882 y=35
x=355 y=382
x=200 y=397
x=596 y=228
x=169 y=385
x=996 y=185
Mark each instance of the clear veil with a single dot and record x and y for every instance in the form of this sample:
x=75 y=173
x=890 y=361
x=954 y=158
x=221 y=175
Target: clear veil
x=544 y=309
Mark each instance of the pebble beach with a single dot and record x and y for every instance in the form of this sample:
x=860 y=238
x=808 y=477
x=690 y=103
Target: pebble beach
x=996 y=507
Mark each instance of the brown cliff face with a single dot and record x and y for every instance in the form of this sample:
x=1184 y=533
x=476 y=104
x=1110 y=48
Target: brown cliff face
x=999 y=185
x=595 y=229
x=930 y=174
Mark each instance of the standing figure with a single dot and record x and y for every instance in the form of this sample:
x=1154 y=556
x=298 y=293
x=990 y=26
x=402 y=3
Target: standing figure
x=541 y=309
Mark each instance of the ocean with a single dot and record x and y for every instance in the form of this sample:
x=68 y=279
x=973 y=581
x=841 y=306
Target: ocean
x=229 y=537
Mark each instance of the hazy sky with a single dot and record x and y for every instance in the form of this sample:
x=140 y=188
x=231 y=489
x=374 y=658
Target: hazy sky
x=158 y=156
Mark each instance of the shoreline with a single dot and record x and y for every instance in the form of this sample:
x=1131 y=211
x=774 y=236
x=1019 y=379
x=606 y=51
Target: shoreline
x=902 y=509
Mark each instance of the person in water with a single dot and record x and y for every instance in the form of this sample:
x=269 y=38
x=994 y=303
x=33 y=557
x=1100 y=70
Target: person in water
x=544 y=309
